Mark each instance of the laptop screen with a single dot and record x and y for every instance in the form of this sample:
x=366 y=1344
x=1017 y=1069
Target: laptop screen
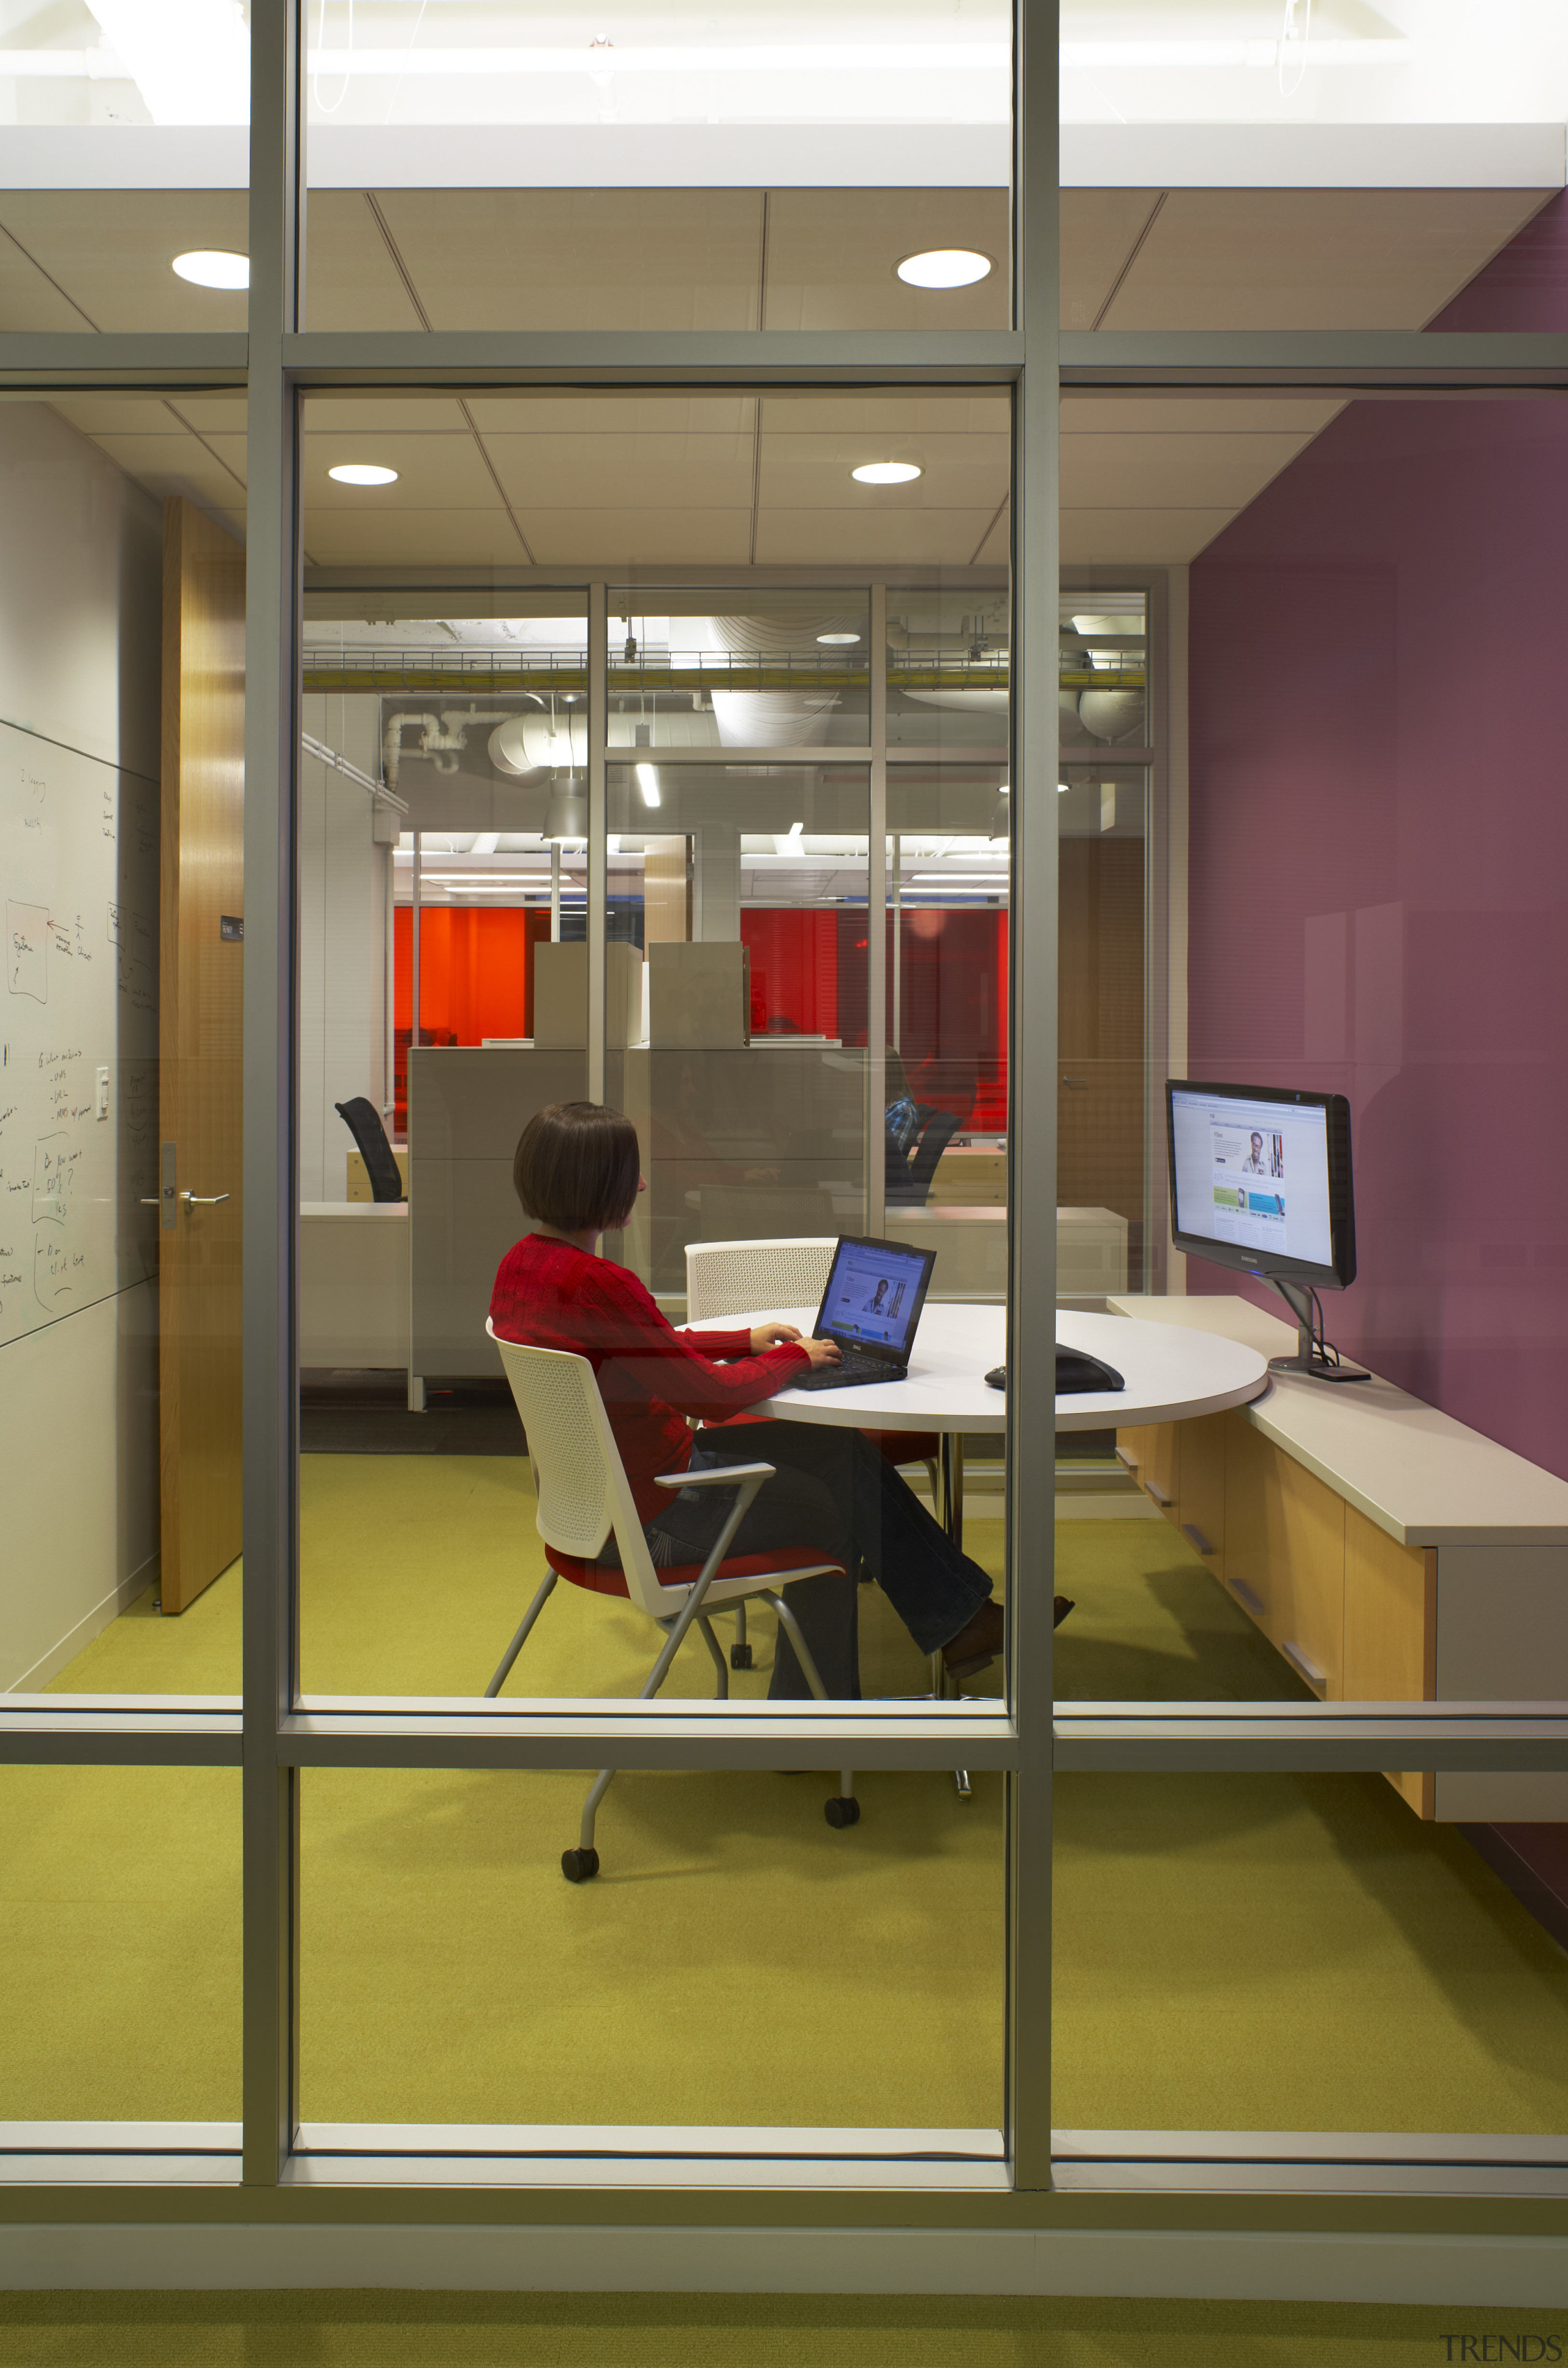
x=875 y=1293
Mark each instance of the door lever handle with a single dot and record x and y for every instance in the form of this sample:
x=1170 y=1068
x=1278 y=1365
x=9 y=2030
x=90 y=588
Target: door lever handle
x=203 y=1200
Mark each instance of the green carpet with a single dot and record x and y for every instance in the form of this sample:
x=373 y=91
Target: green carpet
x=442 y=2330
x=1270 y=1952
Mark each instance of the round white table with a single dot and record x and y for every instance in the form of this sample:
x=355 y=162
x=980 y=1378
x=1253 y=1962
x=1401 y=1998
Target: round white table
x=1172 y=1373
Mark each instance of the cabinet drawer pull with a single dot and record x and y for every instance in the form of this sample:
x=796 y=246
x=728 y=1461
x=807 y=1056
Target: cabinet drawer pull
x=1305 y=1664
x=1157 y=1493
x=1190 y=1530
x=1123 y=1454
x=1250 y=1603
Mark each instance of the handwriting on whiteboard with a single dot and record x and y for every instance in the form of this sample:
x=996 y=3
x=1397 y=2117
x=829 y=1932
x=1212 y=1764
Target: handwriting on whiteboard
x=26 y=951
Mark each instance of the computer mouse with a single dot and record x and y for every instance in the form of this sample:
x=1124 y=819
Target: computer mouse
x=996 y=1379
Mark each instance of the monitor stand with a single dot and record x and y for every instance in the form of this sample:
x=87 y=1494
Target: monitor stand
x=1309 y=1358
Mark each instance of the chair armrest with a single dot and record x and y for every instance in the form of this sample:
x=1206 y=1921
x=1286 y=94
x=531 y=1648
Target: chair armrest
x=724 y=1475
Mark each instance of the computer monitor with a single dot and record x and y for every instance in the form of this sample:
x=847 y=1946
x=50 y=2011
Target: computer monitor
x=1261 y=1181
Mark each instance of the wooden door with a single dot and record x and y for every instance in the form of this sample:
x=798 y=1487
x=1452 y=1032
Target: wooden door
x=201 y=954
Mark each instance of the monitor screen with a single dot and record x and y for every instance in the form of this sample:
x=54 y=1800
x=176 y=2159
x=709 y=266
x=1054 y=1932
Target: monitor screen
x=874 y=1293
x=1263 y=1177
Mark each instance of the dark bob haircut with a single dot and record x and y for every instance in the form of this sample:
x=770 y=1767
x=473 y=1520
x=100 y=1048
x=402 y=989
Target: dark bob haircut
x=576 y=1167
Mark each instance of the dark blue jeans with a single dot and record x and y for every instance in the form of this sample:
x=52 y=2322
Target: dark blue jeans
x=831 y=1490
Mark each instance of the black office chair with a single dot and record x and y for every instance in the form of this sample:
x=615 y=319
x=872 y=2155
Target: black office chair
x=363 y=1120
x=909 y=1177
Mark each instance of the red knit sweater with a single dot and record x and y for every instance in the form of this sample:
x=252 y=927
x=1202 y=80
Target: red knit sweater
x=551 y=1295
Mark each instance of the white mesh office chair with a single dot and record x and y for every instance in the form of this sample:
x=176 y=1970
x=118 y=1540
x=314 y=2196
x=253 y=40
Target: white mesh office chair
x=583 y=1494
x=736 y=1279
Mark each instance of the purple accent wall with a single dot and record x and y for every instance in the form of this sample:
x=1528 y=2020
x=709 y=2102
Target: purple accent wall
x=1378 y=859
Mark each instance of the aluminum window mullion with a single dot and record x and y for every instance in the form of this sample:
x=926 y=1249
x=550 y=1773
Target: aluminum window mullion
x=1031 y=1074
x=876 y=918
x=599 y=842
x=273 y=581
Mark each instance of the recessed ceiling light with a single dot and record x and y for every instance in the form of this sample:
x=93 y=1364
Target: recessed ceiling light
x=213 y=267
x=945 y=267
x=885 y=473
x=362 y=473
x=838 y=640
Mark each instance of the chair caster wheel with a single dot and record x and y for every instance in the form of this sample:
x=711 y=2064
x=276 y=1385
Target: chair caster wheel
x=842 y=1810
x=578 y=1865
x=740 y=1656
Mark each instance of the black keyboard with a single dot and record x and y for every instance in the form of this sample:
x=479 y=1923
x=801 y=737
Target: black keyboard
x=852 y=1369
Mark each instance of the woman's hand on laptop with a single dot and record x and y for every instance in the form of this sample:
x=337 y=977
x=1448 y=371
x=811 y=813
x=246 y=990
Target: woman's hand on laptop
x=772 y=1336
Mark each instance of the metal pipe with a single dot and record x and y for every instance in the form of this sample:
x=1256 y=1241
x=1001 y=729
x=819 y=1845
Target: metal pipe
x=555 y=891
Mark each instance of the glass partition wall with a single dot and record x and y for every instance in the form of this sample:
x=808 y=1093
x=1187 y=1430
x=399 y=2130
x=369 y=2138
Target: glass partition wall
x=652 y=592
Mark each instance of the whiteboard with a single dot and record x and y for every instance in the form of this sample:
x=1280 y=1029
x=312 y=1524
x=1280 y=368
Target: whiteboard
x=78 y=1030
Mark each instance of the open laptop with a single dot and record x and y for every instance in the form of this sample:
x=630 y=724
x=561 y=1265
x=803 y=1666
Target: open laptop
x=875 y=1292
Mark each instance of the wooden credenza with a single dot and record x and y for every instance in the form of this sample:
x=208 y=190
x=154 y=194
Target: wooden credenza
x=1389 y=1552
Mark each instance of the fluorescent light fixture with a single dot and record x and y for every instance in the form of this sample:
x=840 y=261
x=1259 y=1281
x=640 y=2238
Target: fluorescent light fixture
x=213 y=267
x=362 y=473
x=648 y=782
x=945 y=267
x=797 y=832
x=957 y=879
x=487 y=843
x=885 y=473
x=487 y=879
x=837 y=641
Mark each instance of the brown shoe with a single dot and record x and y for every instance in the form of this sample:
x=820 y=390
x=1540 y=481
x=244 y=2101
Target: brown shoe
x=1064 y=1604
x=977 y=1645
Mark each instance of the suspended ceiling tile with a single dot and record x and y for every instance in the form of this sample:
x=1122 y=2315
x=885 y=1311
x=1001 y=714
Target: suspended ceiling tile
x=431 y=538
x=997 y=550
x=631 y=473
x=1099 y=230
x=351 y=280
x=580 y=258
x=802 y=538
x=912 y=413
x=1312 y=259
x=113 y=254
x=430 y=469
x=230 y=450
x=832 y=258
x=391 y=415
x=958 y=472
x=1207 y=414
x=212 y=413
x=588 y=414
x=114 y=415
x=684 y=538
x=1171 y=471
x=1117 y=538
x=29 y=300
x=175 y=463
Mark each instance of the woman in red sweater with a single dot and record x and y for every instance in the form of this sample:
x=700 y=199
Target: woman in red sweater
x=577 y=1175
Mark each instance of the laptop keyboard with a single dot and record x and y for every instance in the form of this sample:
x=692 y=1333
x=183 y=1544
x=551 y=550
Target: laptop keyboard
x=851 y=1368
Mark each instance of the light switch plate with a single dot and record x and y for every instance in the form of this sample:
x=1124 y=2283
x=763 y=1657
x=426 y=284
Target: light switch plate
x=103 y=1093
